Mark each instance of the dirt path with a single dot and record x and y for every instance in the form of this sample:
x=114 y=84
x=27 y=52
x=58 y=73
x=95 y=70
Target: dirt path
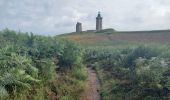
x=92 y=87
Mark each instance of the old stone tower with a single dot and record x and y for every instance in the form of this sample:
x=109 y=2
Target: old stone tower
x=99 y=22
x=78 y=27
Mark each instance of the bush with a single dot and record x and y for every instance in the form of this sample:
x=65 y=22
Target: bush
x=140 y=52
x=71 y=55
x=47 y=70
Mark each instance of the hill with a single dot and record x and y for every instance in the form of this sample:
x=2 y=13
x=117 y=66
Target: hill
x=111 y=37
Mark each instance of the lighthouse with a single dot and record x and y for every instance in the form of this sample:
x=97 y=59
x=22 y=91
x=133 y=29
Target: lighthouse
x=99 y=22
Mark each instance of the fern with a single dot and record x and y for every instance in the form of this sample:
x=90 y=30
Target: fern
x=17 y=72
x=3 y=92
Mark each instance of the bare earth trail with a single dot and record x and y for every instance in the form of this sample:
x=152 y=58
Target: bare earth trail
x=92 y=87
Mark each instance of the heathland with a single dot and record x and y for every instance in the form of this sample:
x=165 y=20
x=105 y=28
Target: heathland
x=129 y=65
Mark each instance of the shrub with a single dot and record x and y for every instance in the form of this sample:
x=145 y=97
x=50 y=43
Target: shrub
x=71 y=55
x=140 y=52
x=47 y=70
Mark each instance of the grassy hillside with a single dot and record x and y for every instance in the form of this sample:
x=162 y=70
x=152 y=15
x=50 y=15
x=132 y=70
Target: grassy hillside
x=110 y=38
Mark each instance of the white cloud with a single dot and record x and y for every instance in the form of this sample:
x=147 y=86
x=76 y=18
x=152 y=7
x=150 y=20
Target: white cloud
x=60 y=16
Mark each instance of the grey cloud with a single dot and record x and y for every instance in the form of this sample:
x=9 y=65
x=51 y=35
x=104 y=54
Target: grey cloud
x=50 y=17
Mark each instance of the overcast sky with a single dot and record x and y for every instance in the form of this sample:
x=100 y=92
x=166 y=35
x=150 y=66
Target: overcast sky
x=50 y=17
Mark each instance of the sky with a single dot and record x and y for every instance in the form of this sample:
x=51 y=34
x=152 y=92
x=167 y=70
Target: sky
x=52 y=17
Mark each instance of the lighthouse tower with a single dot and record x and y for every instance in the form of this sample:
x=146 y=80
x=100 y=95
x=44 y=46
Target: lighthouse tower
x=78 y=27
x=99 y=22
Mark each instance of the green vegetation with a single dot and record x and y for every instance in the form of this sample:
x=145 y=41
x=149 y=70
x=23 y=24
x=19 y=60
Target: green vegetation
x=40 y=68
x=133 y=73
x=129 y=66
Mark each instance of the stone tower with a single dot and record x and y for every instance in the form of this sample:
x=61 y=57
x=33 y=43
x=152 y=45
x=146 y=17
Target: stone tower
x=78 y=27
x=99 y=22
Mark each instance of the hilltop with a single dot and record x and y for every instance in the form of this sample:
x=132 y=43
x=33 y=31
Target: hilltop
x=110 y=36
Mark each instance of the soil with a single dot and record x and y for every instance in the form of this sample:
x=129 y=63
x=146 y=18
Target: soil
x=92 y=90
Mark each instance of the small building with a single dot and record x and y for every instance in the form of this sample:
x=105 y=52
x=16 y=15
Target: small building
x=99 y=22
x=78 y=27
